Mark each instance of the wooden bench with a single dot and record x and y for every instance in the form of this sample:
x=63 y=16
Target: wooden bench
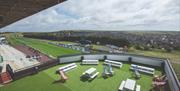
x=68 y=67
x=94 y=75
x=142 y=69
x=113 y=63
x=90 y=62
x=122 y=85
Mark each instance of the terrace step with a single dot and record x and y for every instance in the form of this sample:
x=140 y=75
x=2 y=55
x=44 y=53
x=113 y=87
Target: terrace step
x=5 y=77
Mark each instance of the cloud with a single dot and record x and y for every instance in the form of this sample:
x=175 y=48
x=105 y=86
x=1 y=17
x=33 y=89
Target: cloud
x=104 y=14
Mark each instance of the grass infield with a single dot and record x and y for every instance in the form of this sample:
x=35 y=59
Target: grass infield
x=42 y=46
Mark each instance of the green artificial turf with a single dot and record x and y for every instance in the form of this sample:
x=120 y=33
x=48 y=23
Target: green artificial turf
x=38 y=82
x=47 y=80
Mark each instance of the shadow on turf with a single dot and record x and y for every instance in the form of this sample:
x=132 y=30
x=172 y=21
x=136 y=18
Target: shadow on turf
x=84 y=78
x=58 y=81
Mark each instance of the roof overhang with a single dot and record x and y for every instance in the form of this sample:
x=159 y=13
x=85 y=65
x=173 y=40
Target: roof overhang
x=14 y=10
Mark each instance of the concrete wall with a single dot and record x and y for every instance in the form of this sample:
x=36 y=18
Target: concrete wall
x=136 y=59
x=70 y=59
x=147 y=61
x=116 y=57
x=94 y=57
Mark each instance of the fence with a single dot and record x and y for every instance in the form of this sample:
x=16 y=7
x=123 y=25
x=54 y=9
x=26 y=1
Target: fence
x=151 y=61
x=48 y=64
x=31 y=70
x=1 y=79
x=172 y=79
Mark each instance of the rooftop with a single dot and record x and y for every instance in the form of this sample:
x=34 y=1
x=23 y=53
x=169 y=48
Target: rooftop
x=48 y=80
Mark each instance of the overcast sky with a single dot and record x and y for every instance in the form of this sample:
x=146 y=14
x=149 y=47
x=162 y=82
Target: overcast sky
x=104 y=15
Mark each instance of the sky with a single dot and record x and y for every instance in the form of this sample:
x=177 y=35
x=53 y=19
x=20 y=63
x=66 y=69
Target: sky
x=103 y=15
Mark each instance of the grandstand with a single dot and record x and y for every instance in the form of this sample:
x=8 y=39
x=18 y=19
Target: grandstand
x=16 y=59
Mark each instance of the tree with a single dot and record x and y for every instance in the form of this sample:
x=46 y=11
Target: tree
x=168 y=49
